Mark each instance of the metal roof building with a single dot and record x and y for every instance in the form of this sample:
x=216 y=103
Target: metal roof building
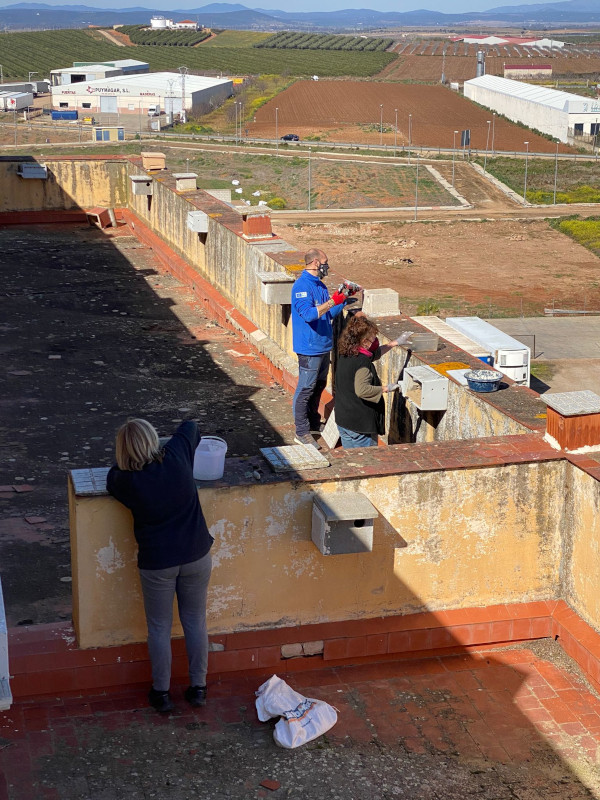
x=154 y=92
x=92 y=71
x=560 y=114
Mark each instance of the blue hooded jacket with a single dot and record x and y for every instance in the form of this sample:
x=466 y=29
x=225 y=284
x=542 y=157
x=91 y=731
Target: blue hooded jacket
x=311 y=335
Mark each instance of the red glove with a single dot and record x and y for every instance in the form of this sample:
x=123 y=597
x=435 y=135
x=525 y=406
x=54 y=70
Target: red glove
x=338 y=298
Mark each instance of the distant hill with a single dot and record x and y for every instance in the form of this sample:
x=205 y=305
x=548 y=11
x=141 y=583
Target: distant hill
x=238 y=16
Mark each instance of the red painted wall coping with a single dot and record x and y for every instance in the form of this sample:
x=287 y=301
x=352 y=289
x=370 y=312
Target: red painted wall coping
x=45 y=660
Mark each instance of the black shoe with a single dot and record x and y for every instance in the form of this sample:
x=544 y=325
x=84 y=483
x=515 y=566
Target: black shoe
x=317 y=427
x=161 y=701
x=196 y=696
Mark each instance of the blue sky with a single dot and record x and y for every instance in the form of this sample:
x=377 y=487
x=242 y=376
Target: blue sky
x=300 y=5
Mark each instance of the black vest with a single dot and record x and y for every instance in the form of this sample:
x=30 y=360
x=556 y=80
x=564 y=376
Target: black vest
x=351 y=412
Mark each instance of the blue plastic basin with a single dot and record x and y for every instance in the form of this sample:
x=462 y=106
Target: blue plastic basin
x=483 y=380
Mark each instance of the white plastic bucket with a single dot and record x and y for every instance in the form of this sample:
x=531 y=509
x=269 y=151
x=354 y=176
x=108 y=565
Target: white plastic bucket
x=209 y=458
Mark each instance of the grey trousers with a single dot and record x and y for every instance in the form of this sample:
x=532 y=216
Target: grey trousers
x=159 y=586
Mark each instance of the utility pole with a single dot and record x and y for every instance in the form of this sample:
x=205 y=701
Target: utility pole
x=309 y=187
x=277 y=129
x=381 y=123
x=183 y=71
x=487 y=141
x=417 y=189
x=526 y=159
x=453 y=154
x=555 y=173
x=395 y=132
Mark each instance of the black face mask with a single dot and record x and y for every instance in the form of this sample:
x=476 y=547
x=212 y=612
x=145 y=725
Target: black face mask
x=323 y=270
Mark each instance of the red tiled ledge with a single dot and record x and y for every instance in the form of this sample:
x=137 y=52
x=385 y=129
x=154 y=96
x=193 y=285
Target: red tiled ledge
x=45 y=660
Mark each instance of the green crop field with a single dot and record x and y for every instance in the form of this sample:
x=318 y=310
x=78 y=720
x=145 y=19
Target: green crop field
x=576 y=181
x=321 y=41
x=45 y=50
x=139 y=34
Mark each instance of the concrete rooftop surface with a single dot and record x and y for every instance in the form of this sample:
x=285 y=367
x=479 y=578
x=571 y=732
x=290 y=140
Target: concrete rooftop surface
x=92 y=333
x=515 y=724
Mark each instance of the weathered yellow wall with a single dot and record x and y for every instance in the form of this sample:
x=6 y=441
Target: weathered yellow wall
x=224 y=258
x=582 y=546
x=70 y=185
x=442 y=540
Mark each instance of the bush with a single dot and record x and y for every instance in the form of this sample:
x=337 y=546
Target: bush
x=428 y=309
x=277 y=203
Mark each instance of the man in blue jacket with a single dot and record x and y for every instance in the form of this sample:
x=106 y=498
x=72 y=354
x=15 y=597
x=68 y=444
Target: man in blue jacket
x=312 y=314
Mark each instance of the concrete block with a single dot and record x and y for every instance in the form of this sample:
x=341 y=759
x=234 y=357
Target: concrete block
x=312 y=648
x=342 y=522
x=197 y=221
x=220 y=194
x=141 y=185
x=185 y=181
x=291 y=650
x=276 y=294
x=381 y=302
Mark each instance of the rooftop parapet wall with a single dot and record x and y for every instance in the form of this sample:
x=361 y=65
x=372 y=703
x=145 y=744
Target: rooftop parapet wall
x=442 y=540
x=222 y=256
x=77 y=182
x=581 y=545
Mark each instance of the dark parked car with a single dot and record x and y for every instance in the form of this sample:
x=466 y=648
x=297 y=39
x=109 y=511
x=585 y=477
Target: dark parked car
x=291 y=137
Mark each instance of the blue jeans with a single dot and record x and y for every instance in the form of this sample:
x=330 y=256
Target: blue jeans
x=312 y=379
x=352 y=439
x=159 y=586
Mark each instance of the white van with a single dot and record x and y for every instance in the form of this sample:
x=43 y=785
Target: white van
x=154 y=111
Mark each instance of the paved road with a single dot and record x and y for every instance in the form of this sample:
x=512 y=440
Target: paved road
x=567 y=351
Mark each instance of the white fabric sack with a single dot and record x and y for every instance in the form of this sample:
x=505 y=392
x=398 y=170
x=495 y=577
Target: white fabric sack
x=302 y=719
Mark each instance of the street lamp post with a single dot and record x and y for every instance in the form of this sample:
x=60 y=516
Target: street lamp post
x=381 y=123
x=1 y=75
x=409 y=135
x=241 y=118
x=487 y=141
x=395 y=132
x=526 y=159
x=309 y=187
x=277 y=129
x=236 y=122
x=493 y=131
x=30 y=74
x=555 y=173
x=417 y=189
x=453 y=154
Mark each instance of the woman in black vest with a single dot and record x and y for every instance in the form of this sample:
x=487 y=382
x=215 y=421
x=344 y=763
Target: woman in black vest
x=359 y=405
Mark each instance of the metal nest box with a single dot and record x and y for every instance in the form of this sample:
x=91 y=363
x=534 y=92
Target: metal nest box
x=342 y=522
x=31 y=169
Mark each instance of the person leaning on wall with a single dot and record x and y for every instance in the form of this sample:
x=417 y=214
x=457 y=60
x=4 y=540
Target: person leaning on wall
x=359 y=404
x=157 y=485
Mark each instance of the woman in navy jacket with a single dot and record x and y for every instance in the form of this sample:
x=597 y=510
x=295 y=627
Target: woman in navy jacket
x=158 y=487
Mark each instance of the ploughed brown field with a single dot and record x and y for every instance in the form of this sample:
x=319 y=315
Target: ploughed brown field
x=351 y=111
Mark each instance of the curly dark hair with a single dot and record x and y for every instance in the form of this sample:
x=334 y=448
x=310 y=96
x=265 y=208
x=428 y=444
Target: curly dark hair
x=357 y=329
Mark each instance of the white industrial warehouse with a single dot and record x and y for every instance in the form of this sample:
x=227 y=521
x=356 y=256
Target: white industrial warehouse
x=82 y=71
x=153 y=93
x=559 y=114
